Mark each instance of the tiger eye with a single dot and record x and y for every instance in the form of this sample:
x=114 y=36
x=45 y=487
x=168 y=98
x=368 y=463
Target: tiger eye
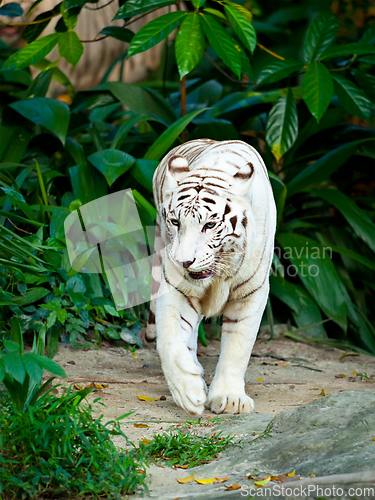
x=209 y=225
x=175 y=222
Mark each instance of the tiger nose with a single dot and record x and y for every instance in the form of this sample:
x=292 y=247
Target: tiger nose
x=186 y=264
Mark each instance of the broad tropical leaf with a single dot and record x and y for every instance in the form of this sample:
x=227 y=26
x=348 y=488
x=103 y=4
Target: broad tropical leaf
x=278 y=70
x=352 y=98
x=70 y=47
x=49 y=113
x=242 y=27
x=282 y=125
x=315 y=268
x=367 y=83
x=167 y=138
x=350 y=49
x=357 y=218
x=322 y=169
x=11 y=9
x=133 y=8
x=222 y=43
x=118 y=32
x=320 y=35
x=32 y=53
x=190 y=44
x=317 y=89
x=155 y=31
x=112 y=163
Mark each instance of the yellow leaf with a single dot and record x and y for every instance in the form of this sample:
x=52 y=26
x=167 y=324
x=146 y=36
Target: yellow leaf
x=260 y=484
x=354 y=373
x=343 y=375
x=291 y=474
x=135 y=356
x=142 y=426
x=373 y=439
x=141 y=471
x=282 y=364
x=78 y=387
x=322 y=393
x=235 y=486
x=313 y=475
x=146 y=441
x=146 y=398
x=186 y=480
x=100 y=386
x=257 y=435
x=260 y=379
x=205 y=481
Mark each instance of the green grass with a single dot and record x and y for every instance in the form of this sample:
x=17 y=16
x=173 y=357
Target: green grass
x=185 y=449
x=58 y=449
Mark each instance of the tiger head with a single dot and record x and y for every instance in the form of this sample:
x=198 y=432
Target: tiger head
x=207 y=218
x=10 y=33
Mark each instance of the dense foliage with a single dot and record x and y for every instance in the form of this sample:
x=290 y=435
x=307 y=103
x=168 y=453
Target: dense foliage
x=293 y=79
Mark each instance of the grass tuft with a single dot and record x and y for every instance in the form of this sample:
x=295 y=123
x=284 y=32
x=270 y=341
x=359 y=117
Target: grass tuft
x=58 y=449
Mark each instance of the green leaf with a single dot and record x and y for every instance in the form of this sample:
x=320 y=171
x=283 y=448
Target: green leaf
x=216 y=13
x=32 y=367
x=222 y=43
x=242 y=27
x=143 y=172
x=31 y=296
x=142 y=101
x=32 y=53
x=11 y=346
x=124 y=130
x=49 y=113
x=357 y=49
x=352 y=98
x=198 y=3
x=320 y=34
x=11 y=9
x=16 y=333
x=146 y=205
x=69 y=16
x=282 y=125
x=167 y=138
x=278 y=70
x=14 y=366
x=190 y=44
x=357 y=218
x=317 y=89
x=49 y=365
x=322 y=169
x=305 y=310
x=112 y=163
x=367 y=82
x=119 y=33
x=280 y=192
x=133 y=8
x=61 y=315
x=315 y=268
x=240 y=8
x=19 y=201
x=51 y=320
x=70 y=47
x=33 y=31
x=154 y=32
x=2 y=370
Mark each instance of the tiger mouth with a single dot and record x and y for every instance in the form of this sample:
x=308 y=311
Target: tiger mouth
x=201 y=275
x=7 y=30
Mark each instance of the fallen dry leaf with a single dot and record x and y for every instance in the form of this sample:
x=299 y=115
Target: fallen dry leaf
x=71 y=362
x=100 y=386
x=340 y=375
x=221 y=479
x=176 y=466
x=354 y=373
x=141 y=471
x=146 y=398
x=186 y=480
x=282 y=364
x=322 y=393
x=142 y=426
x=235 y=486
x=205 y=481
x=78 y=387
x=260 y=379
x=134 y=355
x=291 y=474
x=146 y=441
x=312 y=475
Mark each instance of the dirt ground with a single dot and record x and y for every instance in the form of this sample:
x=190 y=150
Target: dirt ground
x=282 y=374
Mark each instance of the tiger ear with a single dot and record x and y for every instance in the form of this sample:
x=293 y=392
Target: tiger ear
x=177 y=167
x=244 y=175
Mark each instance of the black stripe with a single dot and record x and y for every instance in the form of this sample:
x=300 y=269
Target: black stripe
x=186 y=321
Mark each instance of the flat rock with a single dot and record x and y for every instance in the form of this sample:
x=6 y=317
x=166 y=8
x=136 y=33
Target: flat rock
x=332 y=436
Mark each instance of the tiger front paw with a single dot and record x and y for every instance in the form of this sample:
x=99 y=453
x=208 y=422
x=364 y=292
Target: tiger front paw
x=231 y=403
x=185 y=382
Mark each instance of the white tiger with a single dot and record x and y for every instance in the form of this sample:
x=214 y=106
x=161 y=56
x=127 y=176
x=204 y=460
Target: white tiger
x=216 y=224
x=98 y=56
